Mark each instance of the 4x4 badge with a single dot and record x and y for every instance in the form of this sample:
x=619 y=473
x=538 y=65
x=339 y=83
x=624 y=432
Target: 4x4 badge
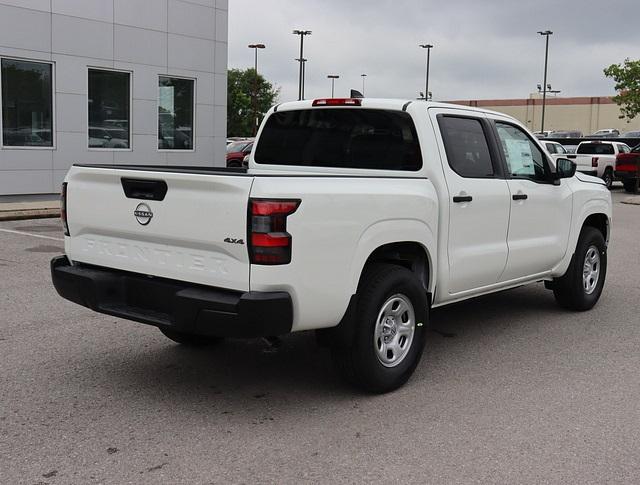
x=231 y=240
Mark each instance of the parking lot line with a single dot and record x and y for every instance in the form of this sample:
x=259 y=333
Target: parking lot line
x=21 y=233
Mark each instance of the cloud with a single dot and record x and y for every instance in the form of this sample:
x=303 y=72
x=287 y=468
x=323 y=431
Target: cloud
x=483 y=49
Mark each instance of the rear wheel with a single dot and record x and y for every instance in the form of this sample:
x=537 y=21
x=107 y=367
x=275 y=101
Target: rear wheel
x=607 y=176
x=581 y=286
x=631 y=185
x=190 y=339
x=391 y=321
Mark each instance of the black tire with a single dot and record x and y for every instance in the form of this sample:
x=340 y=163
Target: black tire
x=607 y=176
x=569 y=290
x=189 y=339
x=631 y=185
x=359 y=362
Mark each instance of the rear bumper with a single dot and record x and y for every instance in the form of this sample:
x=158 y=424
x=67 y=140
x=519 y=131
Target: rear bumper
x=625 y=175
x=181 y=306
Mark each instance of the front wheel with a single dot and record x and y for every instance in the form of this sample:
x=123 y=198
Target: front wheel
x=631 y=185
x=391 y=321
x=581 y=286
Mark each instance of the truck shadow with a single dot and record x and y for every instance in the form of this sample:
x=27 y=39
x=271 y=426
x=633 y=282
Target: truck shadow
x=240 y=372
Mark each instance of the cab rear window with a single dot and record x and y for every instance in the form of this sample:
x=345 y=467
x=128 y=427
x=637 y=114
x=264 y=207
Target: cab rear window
x=595 y=149
x=341 y=138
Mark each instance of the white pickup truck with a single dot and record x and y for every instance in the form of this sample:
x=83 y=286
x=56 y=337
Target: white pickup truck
x=598 y=158
x=354 y=219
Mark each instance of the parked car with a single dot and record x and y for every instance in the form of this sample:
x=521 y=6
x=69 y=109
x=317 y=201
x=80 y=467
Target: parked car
x=107 y=138
x=542 y=134
x=25 y=137
x=555 y=149
x=237 y=151
x=628 y=169
x=606 y=133
x=566 y=134
x=598 y=158
x=350 y=221
x=631 y=134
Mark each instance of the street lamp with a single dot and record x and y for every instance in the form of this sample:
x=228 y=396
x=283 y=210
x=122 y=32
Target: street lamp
x=363 y=76
x=333 y=78
x=428 y=47
x=549 y=90
x=255 y=47
x=545 y=33
x=302 y=34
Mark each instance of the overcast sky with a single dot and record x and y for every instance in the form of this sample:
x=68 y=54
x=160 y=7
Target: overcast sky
x=484 y=49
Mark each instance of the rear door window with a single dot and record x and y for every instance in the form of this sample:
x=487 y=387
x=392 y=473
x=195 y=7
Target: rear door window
x=340 y=138
x=465 y=143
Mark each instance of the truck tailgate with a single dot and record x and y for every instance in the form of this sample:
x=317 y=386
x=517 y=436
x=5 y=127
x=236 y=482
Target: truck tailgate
x=196 y=233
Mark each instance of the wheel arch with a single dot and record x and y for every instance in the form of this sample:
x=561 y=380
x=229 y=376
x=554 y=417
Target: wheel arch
x=599 y=221
x=594 y=213
x=408 y=254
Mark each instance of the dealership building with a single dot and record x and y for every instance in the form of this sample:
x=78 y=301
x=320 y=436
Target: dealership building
x=110 y=82
x=584 y=114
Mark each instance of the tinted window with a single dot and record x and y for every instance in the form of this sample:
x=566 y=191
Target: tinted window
x=466 y=146
x=340 y=137
x=175 y=113
x=595 y=149
x=109 y=110
x=551 y=147
x=524 y=158
x=26 y=104
x=561 y=149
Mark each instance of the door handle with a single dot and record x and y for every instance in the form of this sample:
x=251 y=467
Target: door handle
x=462 y=198
x=520 y=197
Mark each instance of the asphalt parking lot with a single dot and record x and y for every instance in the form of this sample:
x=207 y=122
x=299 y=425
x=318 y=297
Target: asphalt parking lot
x=511 y=390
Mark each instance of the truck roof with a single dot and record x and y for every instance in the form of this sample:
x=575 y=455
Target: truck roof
x=384 y=103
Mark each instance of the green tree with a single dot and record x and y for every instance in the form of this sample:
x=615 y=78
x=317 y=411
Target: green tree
x=241 y=85
x=627 y=79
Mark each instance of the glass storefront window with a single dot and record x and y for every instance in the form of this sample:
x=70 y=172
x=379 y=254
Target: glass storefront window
x=27 y=104
x=109 y=109
x=175 y=113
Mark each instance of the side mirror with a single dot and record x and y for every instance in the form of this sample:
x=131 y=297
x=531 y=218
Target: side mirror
x=565 y=168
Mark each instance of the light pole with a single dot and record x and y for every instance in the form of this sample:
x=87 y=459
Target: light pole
x=363 y=76
x=302 y=34
x=255 y=47
x=428 y=47
x=333 y=78
x=304 y=73
x=545 y=33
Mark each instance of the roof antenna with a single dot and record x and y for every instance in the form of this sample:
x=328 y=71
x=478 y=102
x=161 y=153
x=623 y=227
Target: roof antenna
x=355 y=94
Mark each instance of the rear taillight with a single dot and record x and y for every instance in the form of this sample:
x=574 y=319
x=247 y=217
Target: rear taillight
x=63 y=209
x=594 y=162
x=269 y=241
x=628 y=162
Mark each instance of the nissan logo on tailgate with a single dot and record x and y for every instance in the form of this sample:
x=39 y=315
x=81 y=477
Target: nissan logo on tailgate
x=143 y=214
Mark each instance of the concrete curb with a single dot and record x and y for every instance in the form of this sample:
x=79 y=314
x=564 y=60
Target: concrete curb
x=19 y=215
x=635 y=200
